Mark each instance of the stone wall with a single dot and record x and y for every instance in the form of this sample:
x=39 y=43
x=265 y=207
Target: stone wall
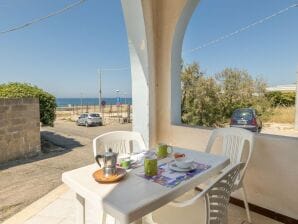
x=19 y=128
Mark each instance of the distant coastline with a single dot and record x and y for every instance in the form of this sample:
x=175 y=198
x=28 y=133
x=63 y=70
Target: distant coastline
x=65 y=102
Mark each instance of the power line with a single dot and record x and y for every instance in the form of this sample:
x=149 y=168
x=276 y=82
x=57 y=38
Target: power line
x=58 y=12
x=241 y=29
x=226 y=35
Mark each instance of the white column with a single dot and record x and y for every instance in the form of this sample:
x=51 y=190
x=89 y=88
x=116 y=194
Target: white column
x=176 y=59
x=155 y=30
x=143 y=98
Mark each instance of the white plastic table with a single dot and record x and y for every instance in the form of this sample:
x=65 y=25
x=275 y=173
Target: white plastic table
x=134 y=197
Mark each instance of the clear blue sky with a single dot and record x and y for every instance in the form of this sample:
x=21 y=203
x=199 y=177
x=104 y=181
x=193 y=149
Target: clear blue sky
x=63 y=53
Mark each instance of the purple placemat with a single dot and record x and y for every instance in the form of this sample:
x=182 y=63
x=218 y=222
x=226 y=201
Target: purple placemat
x=170 y=178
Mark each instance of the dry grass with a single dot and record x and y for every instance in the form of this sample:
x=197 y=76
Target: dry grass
x=282 y=115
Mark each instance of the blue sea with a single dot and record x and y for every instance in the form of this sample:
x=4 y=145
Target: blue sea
x=64 y=102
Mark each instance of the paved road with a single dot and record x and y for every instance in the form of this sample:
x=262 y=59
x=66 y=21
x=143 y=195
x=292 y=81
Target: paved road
x=82 y=133
x=23 y=182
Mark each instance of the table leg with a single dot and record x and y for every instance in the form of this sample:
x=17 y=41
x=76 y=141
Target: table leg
x=101 y=217
x=137 y=222
x=80 y=209
x=148 y=219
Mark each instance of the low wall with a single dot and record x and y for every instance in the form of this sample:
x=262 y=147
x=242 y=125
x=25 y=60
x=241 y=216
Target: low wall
x=19 y=128
x=272 y=175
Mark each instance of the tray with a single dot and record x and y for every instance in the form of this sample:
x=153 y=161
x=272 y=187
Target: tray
x=101 y=178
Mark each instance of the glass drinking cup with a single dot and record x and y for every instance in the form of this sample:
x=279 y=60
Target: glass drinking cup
x=125 y=163
x=150 y=166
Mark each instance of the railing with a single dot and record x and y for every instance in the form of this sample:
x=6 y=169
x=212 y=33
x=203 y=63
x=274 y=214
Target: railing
x=110 y=113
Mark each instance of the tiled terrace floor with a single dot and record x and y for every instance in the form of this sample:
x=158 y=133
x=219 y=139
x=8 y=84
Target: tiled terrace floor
x=62 y=211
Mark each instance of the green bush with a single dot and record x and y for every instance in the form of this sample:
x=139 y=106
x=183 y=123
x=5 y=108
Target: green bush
x=200 y=96
x=210 y=101
x=47 y=102
x=278 y=98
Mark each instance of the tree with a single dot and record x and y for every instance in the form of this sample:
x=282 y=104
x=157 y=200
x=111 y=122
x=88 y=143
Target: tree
x=47 y=101
x=200 y=97
x=240 y=90
x=210 y=101
x=236 y=87
x=189 y=76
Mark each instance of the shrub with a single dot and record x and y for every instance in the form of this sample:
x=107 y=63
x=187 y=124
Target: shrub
x=210 y=101
x=278 y=98
x=47 y=102
x=200 y=98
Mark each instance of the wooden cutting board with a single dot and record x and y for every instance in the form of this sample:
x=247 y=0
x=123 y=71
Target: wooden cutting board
x=101 y=178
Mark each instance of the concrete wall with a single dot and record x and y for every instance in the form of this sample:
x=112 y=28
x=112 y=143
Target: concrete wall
x=19 y=128
x=272 y=175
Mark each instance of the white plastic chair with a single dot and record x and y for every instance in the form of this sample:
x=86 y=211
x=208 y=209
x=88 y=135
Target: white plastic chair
x=233 y=142
x=216 y=196
x=120 y=142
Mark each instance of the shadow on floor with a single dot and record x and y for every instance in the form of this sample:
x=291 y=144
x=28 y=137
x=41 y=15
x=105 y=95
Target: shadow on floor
x=52 y=145
x=60 y=140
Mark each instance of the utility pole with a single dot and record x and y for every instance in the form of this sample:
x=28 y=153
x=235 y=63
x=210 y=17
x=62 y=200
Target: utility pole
x=81 y=102
x=100 y=96
x=118 y=103
x=296 y=103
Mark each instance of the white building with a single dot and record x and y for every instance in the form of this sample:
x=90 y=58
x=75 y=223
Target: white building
x=283 y=88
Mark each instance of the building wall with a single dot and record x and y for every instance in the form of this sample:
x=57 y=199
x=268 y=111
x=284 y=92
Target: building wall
x=272 y=176
x=19 y=128
x=283 y=88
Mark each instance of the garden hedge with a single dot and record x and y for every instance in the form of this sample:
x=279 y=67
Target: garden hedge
x=47 y=101
x=278 y=98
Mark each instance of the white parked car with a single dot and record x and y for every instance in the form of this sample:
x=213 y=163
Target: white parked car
x=91 y=119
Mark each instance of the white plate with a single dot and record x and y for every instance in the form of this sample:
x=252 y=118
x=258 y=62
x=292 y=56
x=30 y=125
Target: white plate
x=172 y=165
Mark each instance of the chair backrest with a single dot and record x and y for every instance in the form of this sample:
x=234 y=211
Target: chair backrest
x=217 y=196
x=119 y=141
x=233 y=141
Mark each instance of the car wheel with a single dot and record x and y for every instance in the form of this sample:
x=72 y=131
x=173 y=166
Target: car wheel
x=100 y=124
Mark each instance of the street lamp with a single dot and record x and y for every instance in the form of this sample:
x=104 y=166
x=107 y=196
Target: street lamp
x=99 y=80
x=118 y=103
x=118 y=97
